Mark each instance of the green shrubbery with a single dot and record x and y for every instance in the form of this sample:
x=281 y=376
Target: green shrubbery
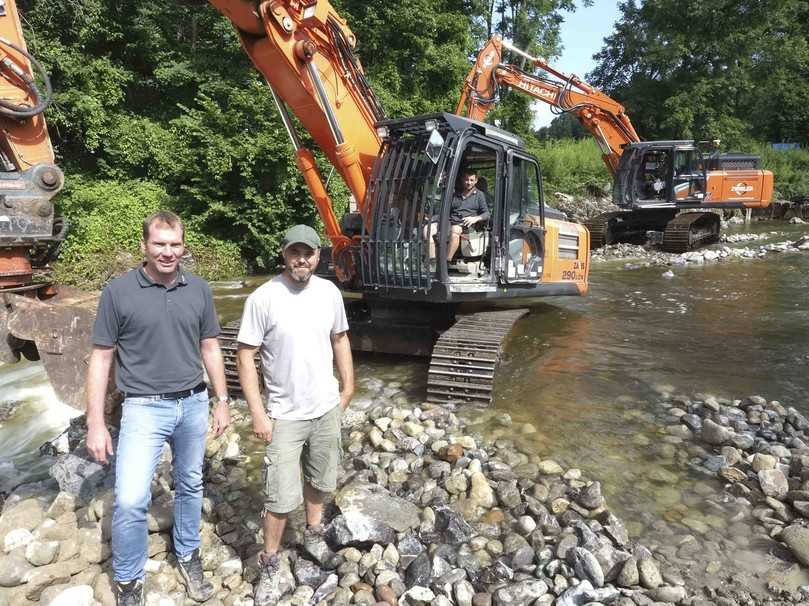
x=571 y=166
x=106 y=220
x=790 y=171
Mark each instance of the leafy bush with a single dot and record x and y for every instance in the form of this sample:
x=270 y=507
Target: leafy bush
x=106 y=219
x=790 y=171
x=572 y=166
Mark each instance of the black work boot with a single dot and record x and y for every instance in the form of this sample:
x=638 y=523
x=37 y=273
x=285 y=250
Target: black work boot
x=315 y=546
x=197 y=586
x=129 y=593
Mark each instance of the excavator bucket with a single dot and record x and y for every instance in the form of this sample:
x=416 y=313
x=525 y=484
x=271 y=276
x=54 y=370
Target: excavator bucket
x=57 y=332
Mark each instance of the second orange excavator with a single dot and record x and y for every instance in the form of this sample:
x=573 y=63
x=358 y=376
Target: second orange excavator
x=653 y=181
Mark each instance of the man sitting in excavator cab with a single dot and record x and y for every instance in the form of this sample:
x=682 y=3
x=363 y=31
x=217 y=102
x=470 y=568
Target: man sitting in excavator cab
x=468 y=207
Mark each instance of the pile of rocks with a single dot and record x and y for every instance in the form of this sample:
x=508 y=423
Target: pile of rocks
x=646 y=256
x=759 y=450
x=583 y=208
x=426 y=513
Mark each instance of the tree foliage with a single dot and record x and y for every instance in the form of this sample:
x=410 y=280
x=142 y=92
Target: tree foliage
x=157 y=101
x=703 y=70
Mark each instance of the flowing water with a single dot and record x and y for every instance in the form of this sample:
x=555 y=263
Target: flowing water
x=587 y=374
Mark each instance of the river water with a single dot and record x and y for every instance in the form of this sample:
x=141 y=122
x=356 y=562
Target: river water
x=587 y=373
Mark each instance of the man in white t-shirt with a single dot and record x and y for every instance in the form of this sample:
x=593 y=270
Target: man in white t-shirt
x=297 y=322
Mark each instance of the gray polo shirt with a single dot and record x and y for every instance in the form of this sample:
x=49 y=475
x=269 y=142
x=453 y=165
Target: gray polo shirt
x=156 y=330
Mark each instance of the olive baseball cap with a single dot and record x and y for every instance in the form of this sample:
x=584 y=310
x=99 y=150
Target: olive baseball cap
x=300 y=234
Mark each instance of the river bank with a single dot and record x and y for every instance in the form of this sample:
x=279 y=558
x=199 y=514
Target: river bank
x=431 y=510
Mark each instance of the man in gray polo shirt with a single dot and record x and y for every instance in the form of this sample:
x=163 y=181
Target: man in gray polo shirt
x=298 y=322
x=159 y=324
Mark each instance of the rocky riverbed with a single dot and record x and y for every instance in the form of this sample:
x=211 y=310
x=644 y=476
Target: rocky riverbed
x=431 y=511
x=637 y=256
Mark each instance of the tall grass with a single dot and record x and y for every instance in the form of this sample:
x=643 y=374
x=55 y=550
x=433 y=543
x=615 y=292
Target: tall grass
x=790 y=171
x=572 y=166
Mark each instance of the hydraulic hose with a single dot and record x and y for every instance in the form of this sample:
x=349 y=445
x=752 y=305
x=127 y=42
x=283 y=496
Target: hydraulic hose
x=19 y=111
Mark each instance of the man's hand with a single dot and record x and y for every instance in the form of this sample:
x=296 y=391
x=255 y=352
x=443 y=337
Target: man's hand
x=221 y=418
x=345 y=399
x=262 y=427
x=99 y=443
x=470 y=221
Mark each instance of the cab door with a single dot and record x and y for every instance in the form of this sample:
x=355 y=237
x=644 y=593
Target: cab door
x=522 y=222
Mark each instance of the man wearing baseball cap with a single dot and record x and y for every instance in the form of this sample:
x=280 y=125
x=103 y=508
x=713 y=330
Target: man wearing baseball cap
x=297 y=322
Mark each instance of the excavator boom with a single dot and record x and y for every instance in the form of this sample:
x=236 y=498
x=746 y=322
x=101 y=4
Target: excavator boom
x=601 y=115
x=653 y=180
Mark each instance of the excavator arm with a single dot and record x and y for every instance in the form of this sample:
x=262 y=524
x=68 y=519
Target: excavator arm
x=602 y=116
x=28 y=176
x=304 y=50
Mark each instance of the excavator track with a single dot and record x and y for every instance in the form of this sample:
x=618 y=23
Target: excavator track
x=601 y=229
x=465 y=357
x=689 y=231
x=228 y=344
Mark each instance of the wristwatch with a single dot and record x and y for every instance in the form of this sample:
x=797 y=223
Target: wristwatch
x=222 y=399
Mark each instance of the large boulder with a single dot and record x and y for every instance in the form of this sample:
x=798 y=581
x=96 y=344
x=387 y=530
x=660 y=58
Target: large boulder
x=376 y=503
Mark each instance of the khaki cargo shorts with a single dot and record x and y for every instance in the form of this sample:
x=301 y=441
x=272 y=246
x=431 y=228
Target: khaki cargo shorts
x=314 y=447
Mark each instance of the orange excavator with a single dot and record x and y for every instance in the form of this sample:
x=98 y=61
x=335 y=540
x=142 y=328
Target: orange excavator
x=653 y=180
x=403 y=174
x=402 y=297
x=37 y=320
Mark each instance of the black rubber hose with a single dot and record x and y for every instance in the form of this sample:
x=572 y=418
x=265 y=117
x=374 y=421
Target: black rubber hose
x=12 y=110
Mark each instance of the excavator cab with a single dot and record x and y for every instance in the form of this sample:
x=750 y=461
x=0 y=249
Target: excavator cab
x=404 y=245
x=661 y=174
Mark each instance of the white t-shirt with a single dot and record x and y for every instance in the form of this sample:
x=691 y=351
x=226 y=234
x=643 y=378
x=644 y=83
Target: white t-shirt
x=293 y=327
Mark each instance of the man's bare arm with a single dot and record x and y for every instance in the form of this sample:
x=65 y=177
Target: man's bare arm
x=345 y=367
x=215 y=366
x=99 y=442
x=248 y=377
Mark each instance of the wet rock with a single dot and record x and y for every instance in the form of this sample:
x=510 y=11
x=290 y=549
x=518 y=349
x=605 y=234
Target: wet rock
x=796 y=538
x=376 y=503
x=590 y=496
x=649 y=573
x=773 y=483
x=416 y=596
x=576 y=595
x=715 y=434
x=523 y=592
x=79 y=476
x=419 y=571
x=481 y=493
x=669 y=593
x=356 y=530
x=409 y=548
x=451 y=525
x=629 y=575
x=732 y=474
x=586 y=566
x=463 y=593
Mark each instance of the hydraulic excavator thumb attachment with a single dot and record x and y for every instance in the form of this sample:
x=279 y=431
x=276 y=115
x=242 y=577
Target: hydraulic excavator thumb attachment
x=57 y=332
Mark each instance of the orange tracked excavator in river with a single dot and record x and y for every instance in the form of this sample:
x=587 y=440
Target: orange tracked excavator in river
x=403 y=174
x=653 y=180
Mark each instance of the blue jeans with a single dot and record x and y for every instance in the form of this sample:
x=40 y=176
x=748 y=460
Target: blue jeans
x=146 y=425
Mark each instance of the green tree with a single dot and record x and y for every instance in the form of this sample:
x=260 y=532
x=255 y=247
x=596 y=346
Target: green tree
x=698 y=69
x=531 y=25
